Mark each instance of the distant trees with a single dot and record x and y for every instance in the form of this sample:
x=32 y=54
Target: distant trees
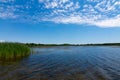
x=104 y=44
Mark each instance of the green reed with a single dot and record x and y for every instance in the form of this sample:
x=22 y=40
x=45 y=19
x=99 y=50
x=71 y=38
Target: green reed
x=14 y=51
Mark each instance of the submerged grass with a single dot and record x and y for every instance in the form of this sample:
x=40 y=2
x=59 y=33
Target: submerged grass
x=13 y=51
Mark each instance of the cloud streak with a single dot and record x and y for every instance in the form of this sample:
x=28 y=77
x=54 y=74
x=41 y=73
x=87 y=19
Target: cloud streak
x=113 y=22
x=101 y=13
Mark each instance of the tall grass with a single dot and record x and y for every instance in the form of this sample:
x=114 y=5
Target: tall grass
x=10 y=51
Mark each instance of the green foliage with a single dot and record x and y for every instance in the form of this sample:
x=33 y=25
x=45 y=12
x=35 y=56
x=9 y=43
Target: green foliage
x=38 y=45
x=103 y=44
x=10 y=51
x=45 y=45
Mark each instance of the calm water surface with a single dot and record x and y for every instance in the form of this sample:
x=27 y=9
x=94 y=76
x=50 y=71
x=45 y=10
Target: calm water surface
x=66 y=63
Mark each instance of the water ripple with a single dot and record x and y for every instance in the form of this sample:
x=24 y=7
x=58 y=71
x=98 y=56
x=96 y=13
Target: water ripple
x=66 y=63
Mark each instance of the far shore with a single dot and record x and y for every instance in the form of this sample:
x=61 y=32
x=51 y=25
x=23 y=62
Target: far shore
x=50 y=45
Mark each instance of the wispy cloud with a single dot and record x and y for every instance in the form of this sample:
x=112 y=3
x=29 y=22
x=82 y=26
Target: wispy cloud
x=6 y=15
x=5 y=1
x=102 y=13
x=111 y=22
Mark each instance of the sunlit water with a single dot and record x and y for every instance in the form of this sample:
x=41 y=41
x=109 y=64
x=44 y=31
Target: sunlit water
x=66 y=63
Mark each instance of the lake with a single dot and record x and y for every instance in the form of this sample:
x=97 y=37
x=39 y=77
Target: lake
x=66 y=63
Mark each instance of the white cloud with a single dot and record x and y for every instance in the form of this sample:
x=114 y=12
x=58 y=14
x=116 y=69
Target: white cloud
x=114 y=22
x=77 y=19
x=5 y=1
x=91 y=16
x=51 y=5
x=70 y=19
x=104 y=13
x=69 y=5
x=117 y=3
x=6 y=15
x=64 y=1
x=93 y=0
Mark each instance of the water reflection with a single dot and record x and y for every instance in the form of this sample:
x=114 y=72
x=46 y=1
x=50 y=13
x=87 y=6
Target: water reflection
x=66 y=63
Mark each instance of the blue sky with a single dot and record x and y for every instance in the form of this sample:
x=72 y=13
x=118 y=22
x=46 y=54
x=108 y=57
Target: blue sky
x=60 y=21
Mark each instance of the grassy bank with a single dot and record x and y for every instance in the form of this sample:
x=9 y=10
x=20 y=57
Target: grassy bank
x=10 y=51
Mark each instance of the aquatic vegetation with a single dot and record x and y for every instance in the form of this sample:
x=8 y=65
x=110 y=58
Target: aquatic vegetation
x=10 y=51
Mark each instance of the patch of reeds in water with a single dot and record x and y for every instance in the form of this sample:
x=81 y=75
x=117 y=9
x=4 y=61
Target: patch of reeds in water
x=13 y=51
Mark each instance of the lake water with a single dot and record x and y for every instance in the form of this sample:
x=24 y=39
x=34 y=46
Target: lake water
x=66 y=63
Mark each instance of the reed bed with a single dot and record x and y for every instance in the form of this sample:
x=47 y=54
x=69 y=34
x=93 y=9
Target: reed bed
x=13 y=51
